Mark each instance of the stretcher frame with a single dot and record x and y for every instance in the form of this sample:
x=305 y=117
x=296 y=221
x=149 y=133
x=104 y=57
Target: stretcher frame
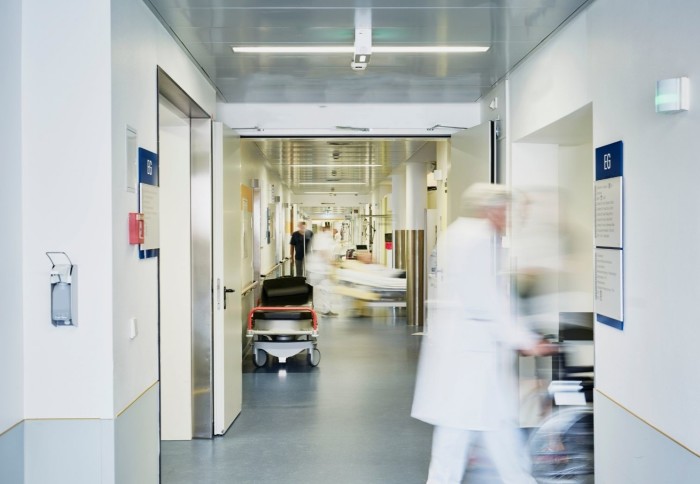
x=284 y=342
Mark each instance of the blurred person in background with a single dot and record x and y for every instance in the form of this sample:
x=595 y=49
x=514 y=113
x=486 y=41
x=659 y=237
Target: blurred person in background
x=299 y=244
x=319 y=269
x=465 y=381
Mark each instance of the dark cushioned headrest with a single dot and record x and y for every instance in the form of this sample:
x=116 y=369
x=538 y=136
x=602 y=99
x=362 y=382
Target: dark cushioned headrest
x=286 y=291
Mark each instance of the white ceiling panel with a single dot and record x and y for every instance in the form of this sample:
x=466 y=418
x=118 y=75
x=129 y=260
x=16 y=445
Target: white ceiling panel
x=510 y=28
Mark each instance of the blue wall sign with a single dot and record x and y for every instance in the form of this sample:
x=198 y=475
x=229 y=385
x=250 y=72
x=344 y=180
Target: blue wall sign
x=608 y=161
x=609 y=256
x=148 y=174
x=148 y=167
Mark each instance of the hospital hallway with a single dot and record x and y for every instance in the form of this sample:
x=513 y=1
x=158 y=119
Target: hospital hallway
x=345 y=421
x=245 y=240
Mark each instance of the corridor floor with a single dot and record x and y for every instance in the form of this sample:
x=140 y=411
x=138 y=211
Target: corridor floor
x=346 y=421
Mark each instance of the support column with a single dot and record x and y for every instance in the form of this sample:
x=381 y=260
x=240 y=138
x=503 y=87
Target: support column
x=398 y=209
x=416 y=204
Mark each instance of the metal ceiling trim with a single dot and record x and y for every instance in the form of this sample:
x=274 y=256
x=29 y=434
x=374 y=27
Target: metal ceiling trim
x=171 y=90
x=184 y=48
x=537 y=47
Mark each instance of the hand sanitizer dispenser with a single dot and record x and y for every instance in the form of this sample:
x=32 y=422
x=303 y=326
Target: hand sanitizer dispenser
x=64 y=278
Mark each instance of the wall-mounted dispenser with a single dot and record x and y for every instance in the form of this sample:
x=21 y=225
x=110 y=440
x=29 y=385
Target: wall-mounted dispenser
x=64 y=292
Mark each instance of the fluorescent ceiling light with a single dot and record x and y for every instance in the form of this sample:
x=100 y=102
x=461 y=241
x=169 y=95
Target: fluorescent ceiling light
x=300 y=49
x=344 y=165
x=332 y=183
x=377 y=49
x=427 y=49
x=329 y=193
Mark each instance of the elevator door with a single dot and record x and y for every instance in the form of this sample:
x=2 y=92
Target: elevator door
x=185 y=265
x=472 y=160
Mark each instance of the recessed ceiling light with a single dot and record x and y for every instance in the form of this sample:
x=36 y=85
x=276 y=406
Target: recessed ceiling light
x=332 y=183
x=428 y=49
x=336 y=165
x=329 y=193
x=377 y=49
x=299 y=49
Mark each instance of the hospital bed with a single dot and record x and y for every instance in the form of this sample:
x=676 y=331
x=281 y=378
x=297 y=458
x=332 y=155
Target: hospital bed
x=285 y=323
x=373 y=283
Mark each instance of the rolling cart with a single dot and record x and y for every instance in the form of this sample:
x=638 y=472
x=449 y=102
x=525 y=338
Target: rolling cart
x=285 y=323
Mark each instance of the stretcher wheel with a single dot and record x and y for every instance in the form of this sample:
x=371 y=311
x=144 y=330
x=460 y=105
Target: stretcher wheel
x=260 y=358
x=314 y=357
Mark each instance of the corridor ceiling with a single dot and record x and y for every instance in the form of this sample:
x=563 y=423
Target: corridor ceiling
x=209 y=28
x=336 y=165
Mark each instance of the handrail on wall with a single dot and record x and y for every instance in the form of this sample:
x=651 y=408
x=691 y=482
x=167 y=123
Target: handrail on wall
x=274 y=268
x=249 y=288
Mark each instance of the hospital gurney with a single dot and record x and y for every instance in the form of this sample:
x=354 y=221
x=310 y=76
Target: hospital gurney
x=285 y=323
x=372 y=283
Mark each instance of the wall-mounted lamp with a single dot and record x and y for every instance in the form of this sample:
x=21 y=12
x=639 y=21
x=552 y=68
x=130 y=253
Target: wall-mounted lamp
x=672 y=95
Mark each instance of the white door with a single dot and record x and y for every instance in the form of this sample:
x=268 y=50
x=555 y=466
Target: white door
x=472 y=160
x=228 y=253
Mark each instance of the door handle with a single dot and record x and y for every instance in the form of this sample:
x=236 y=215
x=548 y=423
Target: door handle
x=226 y=291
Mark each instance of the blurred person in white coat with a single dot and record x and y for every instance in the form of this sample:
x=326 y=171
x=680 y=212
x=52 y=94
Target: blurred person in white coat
x=464 y=384
x=319 y=269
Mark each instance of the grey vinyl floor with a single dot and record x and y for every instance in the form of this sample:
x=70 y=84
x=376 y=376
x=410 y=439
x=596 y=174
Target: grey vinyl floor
x=345 y=422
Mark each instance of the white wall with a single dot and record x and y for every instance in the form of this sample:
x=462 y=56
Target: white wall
x=320 y=119
x=69 y=451
x=12 y=455
x=139 y=44
x=647 y=367
x=552 y=83
x=576 y=222
x=11 y=376
x=136 y=435
x=534 y=226
x=611 y=55
x=88 y=69
x=66 y=204
x=254 y=166
x=553 y=174
x=443 y=151
x=645 y=456
x=175 y=274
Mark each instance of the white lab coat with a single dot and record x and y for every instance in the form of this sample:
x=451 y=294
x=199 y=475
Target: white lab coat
x=319 y=269
x=463 y=372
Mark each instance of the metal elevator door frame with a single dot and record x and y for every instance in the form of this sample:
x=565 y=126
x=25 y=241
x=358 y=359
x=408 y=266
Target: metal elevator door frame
x=201 y=258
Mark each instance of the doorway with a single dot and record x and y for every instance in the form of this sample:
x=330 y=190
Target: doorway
x=552 y=226
x=185 y=265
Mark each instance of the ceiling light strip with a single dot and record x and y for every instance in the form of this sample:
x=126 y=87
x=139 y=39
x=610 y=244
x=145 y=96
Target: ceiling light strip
x=332 y=183
x=329 y=193
x=300 y=49
x=282 y=165
x=387 y=49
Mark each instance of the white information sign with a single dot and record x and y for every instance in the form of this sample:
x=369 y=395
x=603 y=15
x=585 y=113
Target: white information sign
x=608 y=285
x=608 y=212
x=150 y=207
